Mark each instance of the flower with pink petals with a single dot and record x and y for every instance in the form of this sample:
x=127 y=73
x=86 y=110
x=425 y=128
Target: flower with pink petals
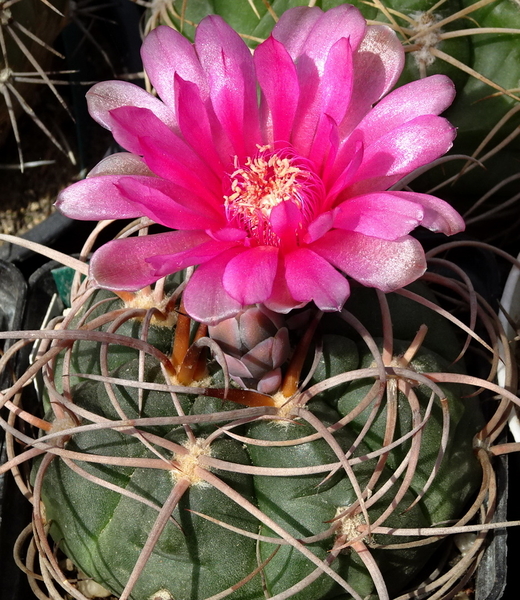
x=272 y=168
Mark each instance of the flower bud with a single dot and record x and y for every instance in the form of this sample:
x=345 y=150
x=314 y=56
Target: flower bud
x=255 y=344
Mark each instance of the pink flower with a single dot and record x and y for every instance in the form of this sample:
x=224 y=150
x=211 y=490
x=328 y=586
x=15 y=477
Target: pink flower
x=270 y=168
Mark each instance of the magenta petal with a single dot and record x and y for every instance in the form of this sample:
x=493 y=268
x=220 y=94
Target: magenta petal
x=344 y=21
x=165 y=153
x=173 y=262
x=281 y=300
x=438 y=215
x=334 y=97
x=286 y=220
x=96 y=198
x=278 y=81
x=228 y=65
x=120 y=163
x=294 y=26
x=429 y=96
x=383 y=264
x=106 y=96
x=200 y=127
x=169 y=204
x=345 y=167
x=312 y=278
x=228 y=234
x=166 y=53
x=380 y=214
x=249 y=276
x=378 y=63
x=122 y=264
x=319 y=227
x=402 y=150
x=205 y=298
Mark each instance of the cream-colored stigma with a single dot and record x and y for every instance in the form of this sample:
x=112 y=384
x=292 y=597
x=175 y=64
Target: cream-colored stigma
x=187 y=463
x=427 y=37
x=261 y=184
x=145 y=300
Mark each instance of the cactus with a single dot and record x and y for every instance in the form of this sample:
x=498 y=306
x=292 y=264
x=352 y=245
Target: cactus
x=309 y=428
x=191 y=490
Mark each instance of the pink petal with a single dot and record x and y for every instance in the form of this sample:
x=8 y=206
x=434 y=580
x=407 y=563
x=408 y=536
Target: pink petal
x=229 y=68
x=278 y=81
x=259 y=360
x=294 y=26
x=286 y=219
x=122 y=264
x=200 y=127
x=106 y=96
x=383 y=264
x=166 y=154
x=120 y=163
x=270 y=382
x=173 y=262
x=166 y=53
x=237 y=368
x=281 y=347
x=332 y=102
x=168 y=204
x=429 y=96
x=205 y=298
x=402 y=150
x=312 y=278
x=380 y=214
x=96 y=198
x=438 y=214
x=227 y=334
x=249 y=276
x=378 y=63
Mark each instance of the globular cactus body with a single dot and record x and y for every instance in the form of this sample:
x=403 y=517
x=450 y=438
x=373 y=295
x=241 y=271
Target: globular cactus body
x=282 y=475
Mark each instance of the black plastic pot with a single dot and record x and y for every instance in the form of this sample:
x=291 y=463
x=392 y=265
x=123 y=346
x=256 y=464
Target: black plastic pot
x=14 y=508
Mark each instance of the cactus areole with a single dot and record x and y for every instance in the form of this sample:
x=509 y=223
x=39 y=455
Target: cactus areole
x=176 y=490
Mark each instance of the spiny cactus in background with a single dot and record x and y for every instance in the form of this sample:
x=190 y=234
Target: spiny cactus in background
x=27 y=30
x=475 y=43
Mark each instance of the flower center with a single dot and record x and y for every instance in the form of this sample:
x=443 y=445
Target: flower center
x=261 y=184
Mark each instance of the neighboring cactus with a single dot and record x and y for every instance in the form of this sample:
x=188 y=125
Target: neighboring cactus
x=27 y=30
